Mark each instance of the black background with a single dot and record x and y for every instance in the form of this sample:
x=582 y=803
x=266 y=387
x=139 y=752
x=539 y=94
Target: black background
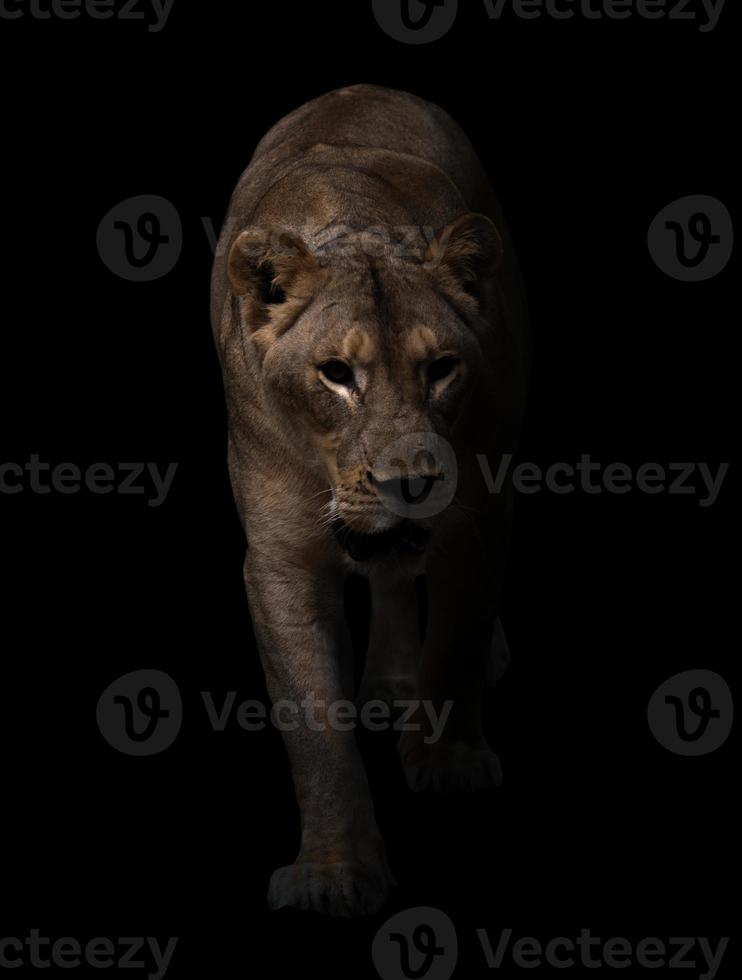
x=588 y=130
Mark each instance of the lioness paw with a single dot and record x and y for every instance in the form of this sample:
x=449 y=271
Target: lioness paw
x=344 y=889
x=454 y=767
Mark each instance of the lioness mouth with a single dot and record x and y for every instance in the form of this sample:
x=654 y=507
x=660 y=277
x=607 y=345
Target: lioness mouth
x=406 y=538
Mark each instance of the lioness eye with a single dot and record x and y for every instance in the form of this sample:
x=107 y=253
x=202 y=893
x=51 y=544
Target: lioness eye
x=338 y=372
x=441 y=368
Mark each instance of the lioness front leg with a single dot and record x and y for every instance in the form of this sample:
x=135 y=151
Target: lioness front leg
x=394 y=646
x=463 y=586
x=341 y=868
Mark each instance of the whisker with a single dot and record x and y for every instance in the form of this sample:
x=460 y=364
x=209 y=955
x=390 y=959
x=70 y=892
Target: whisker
x=319 y=493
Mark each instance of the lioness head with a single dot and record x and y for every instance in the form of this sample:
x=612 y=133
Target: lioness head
x=370 y=357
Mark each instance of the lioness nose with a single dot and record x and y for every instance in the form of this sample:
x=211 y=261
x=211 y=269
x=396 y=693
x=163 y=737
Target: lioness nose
x=410 y=489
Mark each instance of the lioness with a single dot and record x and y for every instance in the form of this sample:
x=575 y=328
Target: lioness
x=368 y=316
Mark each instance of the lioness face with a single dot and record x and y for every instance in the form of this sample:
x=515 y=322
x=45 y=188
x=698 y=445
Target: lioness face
x=370 y=362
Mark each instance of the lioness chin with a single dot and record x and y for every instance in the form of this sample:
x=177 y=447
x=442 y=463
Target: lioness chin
x=369 y=320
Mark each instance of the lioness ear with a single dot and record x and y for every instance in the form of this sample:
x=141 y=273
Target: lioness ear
x=265 y=267
x=466 y=253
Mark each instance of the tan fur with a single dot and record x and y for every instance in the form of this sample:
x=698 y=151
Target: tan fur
x=420 y=344
x=359 y=347
x=365 y=231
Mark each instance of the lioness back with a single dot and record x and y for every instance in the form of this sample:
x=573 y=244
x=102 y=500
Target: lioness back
x=362 y=156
